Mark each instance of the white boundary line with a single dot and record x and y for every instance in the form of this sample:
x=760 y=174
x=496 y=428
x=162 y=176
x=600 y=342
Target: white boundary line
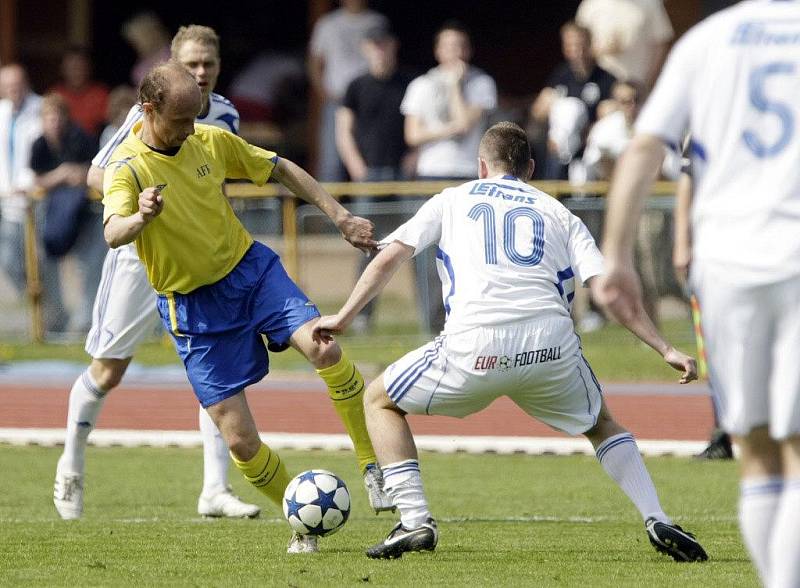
x=436 y=443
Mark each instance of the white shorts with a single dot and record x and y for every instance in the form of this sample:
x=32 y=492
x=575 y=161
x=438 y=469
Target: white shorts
x=752 y=336
x=537 y=364
x=124 y=309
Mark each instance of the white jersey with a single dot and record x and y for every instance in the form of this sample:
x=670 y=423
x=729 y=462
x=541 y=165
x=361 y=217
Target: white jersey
x=507 y=252
x=221 y=113
x=734 y=81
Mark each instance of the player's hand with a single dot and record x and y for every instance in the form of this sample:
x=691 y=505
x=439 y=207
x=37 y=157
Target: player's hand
x=151 y=203
x=358 y=232
x=619 y=292
x=682 y=363
x=326 y=327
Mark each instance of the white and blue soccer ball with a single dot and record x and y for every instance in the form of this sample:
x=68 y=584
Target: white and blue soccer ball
x=316 y=502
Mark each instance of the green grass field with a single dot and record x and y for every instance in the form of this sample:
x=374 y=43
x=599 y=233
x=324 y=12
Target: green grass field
x=614 y=353
x=504 y=521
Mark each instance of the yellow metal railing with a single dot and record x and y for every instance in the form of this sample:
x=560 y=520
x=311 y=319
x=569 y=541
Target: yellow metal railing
x=557 y=189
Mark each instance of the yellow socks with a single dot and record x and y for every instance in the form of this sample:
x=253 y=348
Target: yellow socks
x=346 y=389
x=265 y=471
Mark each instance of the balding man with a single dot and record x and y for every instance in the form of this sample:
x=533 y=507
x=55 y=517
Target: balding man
x=218 y=290
x=20 y=126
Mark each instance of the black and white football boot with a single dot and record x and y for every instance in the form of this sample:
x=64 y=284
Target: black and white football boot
x=401 y=540
x=674 y=541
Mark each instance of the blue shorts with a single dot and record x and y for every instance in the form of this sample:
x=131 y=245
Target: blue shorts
x=217 y=328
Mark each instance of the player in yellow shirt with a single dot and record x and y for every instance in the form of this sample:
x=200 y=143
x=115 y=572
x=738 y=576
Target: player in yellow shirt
x=218 y=290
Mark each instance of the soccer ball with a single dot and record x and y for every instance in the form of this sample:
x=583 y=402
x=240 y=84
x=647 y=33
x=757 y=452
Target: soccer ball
x=316 y=502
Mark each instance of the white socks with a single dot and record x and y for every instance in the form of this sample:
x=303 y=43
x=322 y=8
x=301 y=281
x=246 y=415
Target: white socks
x=85 y=401
x=621 y=460
x=758 y=502
x=216 y=458
x=784 y=545
x=403 y=483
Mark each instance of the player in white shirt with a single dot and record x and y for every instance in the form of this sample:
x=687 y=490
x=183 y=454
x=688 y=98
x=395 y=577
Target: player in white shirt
x=125 y=314
x=510 y=256
x=734 y=81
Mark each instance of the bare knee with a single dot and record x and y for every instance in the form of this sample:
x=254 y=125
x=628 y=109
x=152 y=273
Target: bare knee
x=243 y=446
x=108 y=373
x=604 y=428
x=376 y=398
x=235 y=423
x=320 y=355
x=323 y=355
x=790 y=454
x=760 y=454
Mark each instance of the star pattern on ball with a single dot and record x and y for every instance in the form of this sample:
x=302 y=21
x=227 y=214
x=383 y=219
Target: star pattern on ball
x=292 y=507
x=325 y=500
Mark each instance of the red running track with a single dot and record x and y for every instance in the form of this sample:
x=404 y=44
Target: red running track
x=299 y=408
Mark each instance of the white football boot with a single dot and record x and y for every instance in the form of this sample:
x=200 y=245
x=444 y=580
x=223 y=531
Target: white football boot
x=68 y=495
x=226 y=504
x=373 y=482
x=302 y=544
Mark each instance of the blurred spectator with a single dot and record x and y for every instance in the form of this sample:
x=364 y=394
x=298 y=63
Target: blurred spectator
x=369 y=133
x=369 y=125
x=446 y=110
x=335 y=60
x=20 y=126
x=630 y=38
x=87 y=99
x=150 y=39
x=60 y=159
x=609 y=137
x=568 y=104
x=120 y=101
x=606 y=142
x=267 y=88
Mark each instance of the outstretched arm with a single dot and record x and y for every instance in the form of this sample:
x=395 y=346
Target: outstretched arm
x=638 y=322
x=356 y=230
x=376 y=275
x=619 y=289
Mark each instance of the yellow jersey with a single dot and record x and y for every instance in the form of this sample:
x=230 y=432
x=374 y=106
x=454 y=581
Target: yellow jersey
x=197 y=239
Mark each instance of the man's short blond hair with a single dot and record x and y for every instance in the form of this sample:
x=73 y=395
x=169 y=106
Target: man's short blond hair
x=197 y=33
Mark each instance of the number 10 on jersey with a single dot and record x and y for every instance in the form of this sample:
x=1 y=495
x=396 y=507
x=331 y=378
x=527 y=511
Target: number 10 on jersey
x=487 y=214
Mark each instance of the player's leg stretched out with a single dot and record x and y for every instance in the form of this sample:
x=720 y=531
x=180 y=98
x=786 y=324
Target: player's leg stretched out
x=124 y=315
x=397 y=454
x=619 y=455
x=417 y=531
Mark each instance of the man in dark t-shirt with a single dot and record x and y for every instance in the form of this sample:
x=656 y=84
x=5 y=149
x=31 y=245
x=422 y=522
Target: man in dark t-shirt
x=369 y=130
x=369 y=125
x=578 y=77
